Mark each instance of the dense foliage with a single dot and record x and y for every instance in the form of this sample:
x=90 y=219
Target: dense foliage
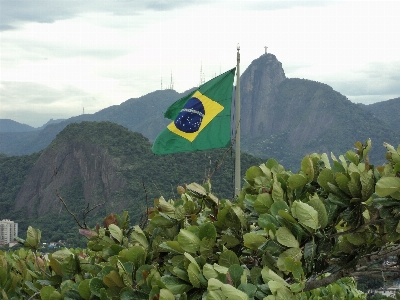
x=13 y=172
x=147 y=176
x=287 y=236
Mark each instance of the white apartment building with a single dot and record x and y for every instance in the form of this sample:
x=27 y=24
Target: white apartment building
x=8 y=230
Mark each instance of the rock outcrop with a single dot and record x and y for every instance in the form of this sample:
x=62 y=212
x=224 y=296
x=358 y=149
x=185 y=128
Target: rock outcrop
x=259 y=90
x=85 y=165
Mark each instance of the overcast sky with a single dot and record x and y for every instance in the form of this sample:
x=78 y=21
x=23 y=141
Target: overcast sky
x=58 y=56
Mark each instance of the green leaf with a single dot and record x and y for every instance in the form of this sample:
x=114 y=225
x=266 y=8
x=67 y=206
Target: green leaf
x=95 y=285
x=307 y=168
x=166 y=295
x=84 y=289
x=32 y=237
x=128 y=294
x=352 y=156
x=387 y=186
x=277 y=191
x=294 y=253
x=135 y=254
x=206 y=247
x=240 y=215
x=72 y=295
x=253 y=241
x=287 y=216
x=319 y=206
x=138 y=236
x=172 y=246
x=191 y=259
x=159 y=221
x=295 y=267
x=214 y=284
x=343 y=182
x=46 y=291
x=232 y=293
x=263 y=202
x=248 y=288
x=324 y=177
x=305 y=213
x=357 y=239
x=194 y=274
x=271 y=163
x=228 y=258
x=116 y=232
x=166 y=207
x=215 y=295
x=277 y=206
x=207 y=230
x=197 y=189
x=235 y=272
x=113 y=279
x=175 y=285
x=355 y=185
x=55 y=295
x=367 y=183
x=253 y=172
x=310 y=249
x=62 y=255
x=229 y=241
x=188 y=241
x=209 y=272
x=265 y=219
x=296 y=181
x=268 y=275
x=286 y=238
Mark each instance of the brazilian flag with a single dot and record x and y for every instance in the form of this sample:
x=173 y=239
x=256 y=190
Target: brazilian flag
x=201 y=120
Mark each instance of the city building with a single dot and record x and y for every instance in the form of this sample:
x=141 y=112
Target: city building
x=8 y=230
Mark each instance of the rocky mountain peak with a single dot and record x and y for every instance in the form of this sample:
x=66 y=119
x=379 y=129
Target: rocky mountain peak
x=259 y=87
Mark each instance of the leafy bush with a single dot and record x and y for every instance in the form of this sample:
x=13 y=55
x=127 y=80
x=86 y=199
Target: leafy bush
x=286 y=236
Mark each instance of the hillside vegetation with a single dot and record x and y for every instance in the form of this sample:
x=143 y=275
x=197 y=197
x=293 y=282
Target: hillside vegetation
x=90 y=163
x=287 y=236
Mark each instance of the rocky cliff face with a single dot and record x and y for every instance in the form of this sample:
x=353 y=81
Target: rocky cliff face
x=287 y=118
x=259 y=89
x=73 y=163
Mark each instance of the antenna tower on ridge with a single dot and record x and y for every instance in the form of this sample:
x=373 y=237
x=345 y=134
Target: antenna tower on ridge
x=171 y=86
x=202 y=77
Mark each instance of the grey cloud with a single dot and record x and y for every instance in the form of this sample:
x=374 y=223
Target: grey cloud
x=35 y=104
x=15 y=12
x=277 y=5
x=21 y=94
x=377 y=80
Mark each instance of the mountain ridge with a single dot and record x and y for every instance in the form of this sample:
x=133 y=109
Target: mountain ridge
x=277 y=112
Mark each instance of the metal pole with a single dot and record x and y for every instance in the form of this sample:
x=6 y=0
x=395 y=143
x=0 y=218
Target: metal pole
x=237 y=138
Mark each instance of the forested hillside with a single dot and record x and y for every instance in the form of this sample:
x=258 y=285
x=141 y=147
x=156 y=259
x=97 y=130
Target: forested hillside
x=90 y=163
x=387 y=111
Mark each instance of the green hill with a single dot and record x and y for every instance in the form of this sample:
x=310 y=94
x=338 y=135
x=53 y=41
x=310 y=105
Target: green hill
x=387 y=111
x=90 y=163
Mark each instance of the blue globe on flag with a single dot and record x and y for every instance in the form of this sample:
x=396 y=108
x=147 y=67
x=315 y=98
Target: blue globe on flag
x=190 y=117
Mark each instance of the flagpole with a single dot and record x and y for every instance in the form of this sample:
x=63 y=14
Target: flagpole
x=237 y=117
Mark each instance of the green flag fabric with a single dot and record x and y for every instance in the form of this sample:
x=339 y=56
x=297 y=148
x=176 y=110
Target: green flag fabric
x=201 y=120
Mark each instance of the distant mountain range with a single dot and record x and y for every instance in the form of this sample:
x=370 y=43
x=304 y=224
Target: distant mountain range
x=106 y=156
x=387 y=111
x=284 y=118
